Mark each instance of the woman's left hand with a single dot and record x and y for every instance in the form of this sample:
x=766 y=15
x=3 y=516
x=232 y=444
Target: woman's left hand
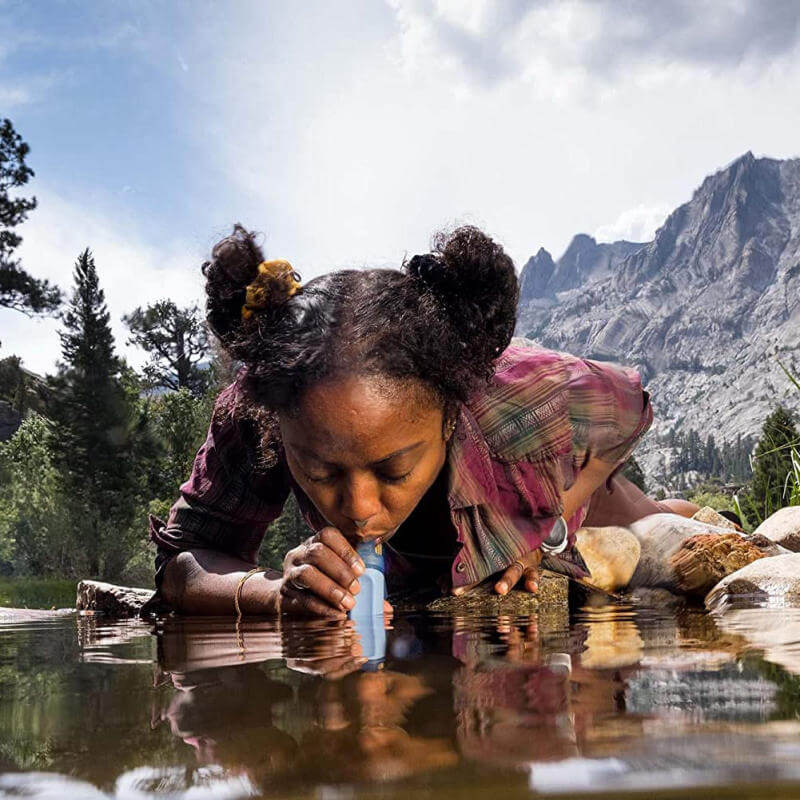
x=526 y=568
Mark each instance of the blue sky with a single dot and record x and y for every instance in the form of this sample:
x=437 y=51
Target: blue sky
x=348 y=132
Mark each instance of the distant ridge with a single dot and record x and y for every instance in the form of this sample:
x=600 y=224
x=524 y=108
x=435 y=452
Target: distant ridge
x=703 y=311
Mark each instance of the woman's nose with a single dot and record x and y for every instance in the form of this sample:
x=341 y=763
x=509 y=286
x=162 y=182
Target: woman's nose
x=360 y=500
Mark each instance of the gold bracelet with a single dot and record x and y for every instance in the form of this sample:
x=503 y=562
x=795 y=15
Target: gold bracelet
x=239 y=590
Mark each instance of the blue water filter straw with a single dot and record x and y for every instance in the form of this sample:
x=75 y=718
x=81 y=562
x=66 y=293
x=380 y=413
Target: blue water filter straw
x=367 y=614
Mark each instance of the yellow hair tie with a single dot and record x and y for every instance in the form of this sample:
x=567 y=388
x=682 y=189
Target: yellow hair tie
x=275 y=282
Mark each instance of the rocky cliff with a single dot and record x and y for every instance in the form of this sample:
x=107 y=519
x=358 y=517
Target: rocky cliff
x=704 y=311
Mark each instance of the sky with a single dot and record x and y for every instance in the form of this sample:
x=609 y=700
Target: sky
x=348 y=132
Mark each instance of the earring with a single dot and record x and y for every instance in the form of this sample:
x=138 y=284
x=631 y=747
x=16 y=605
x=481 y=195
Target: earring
x=451 y=426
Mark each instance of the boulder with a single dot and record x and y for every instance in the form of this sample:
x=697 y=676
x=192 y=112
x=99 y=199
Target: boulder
x=704 y=560
x=111 y=600
x=660 y=537
x=776 y=578
x=783 y=528
x=711 y=517
x=611 y=554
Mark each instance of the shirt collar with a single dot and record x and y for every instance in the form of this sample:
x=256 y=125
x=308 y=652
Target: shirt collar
x=471 y=480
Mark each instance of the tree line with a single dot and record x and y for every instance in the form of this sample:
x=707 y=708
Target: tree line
x=100 y=446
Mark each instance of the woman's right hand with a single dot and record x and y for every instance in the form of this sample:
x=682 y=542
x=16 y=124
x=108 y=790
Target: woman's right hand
x=320 y=576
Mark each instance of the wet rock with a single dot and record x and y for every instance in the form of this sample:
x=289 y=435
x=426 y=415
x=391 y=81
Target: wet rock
x=660 y=537
x=553 y=594
x=711 y=517
x=32 y=614
x=611 y=554
x=703 y=561
x=656 y=598
x=114 y=601
x=776 y=578
x=783 y=528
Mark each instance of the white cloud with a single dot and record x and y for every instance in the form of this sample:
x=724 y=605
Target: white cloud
x=637 y=224
x=558 y=45
x=131 y=273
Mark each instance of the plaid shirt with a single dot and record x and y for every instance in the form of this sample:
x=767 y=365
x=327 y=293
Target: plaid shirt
x=518 y=443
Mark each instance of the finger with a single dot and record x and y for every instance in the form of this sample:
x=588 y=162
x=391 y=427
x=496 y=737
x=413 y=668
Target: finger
x=328 y=562
x=304 y=604
x=334 y=539
x=531 y=579
x=509 y=578
x=316 y=582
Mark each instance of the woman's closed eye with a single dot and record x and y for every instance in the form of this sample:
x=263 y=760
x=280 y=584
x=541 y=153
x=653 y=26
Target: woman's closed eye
x=383 y=477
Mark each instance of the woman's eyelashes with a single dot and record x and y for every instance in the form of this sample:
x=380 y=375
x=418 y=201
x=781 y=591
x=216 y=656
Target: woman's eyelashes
x=382 y=477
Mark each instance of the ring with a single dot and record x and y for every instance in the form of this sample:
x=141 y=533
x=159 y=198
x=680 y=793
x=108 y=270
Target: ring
x=295 y=585
x=521 y=565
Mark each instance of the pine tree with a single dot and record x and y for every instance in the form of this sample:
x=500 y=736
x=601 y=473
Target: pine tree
x=18 y=289
x=95 y=421
x=176 y=340
x=771 y=464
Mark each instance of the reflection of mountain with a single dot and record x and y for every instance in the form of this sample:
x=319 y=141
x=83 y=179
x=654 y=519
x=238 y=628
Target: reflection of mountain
x=703 y=311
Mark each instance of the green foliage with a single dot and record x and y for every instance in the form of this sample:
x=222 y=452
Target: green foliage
x=99 y=430
x=34 y=534
x=283 y=534
x=176 y=340
x=180 y=423
x=22 y=389
x=37 y=592
x=18 y=289
x=774 y=463
x=729 y=461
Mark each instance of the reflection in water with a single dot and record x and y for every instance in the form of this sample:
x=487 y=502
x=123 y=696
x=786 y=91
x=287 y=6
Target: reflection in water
x=622 y=698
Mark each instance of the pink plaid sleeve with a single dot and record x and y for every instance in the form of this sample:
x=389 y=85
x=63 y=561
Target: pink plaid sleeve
x=609 y=411
x=228 y=501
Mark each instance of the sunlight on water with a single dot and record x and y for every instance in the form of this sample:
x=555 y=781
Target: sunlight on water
x=620 y=699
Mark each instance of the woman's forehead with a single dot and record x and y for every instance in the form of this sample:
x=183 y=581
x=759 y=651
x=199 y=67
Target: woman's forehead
x=371 y=416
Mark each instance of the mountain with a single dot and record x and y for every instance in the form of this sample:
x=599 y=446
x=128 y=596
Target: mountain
x=704 y=311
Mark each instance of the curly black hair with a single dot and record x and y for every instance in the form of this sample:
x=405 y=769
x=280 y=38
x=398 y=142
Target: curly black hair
x=441 y=320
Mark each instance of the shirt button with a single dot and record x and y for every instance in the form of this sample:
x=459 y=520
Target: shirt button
x=461 y=566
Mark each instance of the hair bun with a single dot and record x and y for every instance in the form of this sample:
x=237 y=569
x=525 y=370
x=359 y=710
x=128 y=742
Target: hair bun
x=232 y=268
x=474 y=280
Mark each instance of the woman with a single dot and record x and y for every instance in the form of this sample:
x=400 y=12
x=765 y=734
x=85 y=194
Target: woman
x=390 y=403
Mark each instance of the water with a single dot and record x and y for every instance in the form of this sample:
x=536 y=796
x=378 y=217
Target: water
x=614 y=700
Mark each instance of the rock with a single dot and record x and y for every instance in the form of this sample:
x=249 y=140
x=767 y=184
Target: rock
x=772 y=578
x=711 y=517
x=12 y=615
x=553 y=594
x=656 y=598
x=114 y=601
x=700 y=312
x=783 y=528
x=661 y=537
x=703 y=561
x=611 y=553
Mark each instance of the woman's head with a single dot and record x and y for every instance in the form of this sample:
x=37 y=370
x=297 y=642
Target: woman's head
x=359 y=364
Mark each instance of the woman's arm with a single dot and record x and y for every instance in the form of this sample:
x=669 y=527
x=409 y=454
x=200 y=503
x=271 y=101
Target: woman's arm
x=319 y=578
x=205 y=582
x=589 y=479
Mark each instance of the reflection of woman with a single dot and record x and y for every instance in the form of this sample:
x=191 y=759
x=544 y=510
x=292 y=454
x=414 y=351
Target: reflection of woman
x=390 y=403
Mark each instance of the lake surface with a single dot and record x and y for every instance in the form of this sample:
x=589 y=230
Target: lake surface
x=613 y=700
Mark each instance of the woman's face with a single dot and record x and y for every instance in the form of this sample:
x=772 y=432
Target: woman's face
x=366 y=449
